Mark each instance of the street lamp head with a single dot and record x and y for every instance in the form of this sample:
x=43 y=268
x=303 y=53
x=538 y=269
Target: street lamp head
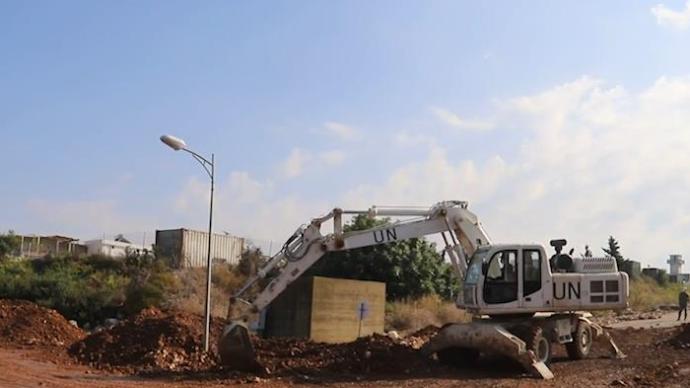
x=174 y=142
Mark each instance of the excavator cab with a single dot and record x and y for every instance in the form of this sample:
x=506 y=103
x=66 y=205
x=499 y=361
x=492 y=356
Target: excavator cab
x=494 y=275
x=522 y=279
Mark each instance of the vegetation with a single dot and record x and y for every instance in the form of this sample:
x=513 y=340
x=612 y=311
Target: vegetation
x=250 y=262
x=9 y=243
x=614 y=251
x=226 y=280
x=414 y=314
x=411 y=268
x=648 y=293
x=88 y=289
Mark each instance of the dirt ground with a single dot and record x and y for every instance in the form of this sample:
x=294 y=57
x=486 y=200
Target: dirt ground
x=159 y=349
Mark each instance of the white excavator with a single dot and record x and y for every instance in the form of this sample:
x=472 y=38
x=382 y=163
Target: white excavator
x=523 y=301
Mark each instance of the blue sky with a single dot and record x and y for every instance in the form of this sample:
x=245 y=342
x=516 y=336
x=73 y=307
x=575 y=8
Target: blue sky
x=532 y=110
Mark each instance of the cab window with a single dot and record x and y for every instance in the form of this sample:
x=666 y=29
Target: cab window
x=500 y=285
x=531 y=269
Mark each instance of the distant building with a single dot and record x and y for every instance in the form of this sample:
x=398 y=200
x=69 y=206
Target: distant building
x=34 y=246
x=632 y=268
x=115 y=248
x=675 y=263
x=680 y=278
x=657 y=274
x=676 y=275
x=185 y=248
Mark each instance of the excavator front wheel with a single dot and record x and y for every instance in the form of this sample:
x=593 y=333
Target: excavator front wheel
x=539 y=344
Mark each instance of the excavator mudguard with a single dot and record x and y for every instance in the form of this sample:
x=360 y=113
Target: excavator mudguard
x=487 y=338
x=236 y=349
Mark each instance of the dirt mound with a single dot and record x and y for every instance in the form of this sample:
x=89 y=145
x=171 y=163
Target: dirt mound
x=170 y=341
x=681 y=340
x=26 y=323
x=425 y=332
x=373 y=354
x=151 y=341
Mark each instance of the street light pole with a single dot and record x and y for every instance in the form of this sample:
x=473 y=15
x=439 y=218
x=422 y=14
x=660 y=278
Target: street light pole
x=209 y=166
x=207 y=309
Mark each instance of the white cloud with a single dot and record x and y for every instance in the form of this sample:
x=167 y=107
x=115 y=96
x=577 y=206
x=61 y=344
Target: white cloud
x=405 y=139
x=594 y=161
x=341 y=131
x=295 y=163
x=247 y=207
x=332 y=157
x=454 y=120
x=665 y=16
x=300 y=162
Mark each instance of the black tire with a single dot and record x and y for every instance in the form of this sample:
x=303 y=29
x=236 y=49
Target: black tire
x=458 y=357
x=581 y=345
x=540 y=345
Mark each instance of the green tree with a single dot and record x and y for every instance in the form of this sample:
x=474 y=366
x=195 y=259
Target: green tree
x=614 y=250
x=9 y=243
x=410 y=268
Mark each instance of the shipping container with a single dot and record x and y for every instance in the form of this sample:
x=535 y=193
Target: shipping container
x=327 y=310
x=185 y=248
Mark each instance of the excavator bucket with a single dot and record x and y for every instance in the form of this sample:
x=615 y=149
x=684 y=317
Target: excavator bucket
x=236 y=349
x=486 y=338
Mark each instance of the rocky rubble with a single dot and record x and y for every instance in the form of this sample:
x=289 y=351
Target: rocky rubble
x=26 y=323
x=372 y=354
x=681 y=340
x=609 y=317
x=418 y=338
x=151 y=341
x=170 y=341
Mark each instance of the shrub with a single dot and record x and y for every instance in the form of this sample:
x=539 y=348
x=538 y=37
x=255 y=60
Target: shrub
x=190 y=293
x=647 y=293
x=227 y=278
x=250 y=262
x=9 y=244
x=89 y=289
x=410 y=315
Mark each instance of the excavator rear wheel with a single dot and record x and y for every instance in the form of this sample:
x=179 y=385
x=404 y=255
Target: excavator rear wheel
x=582 y=342
x=458 y=357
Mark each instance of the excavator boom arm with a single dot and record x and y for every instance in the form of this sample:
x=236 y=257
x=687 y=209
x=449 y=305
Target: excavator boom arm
x=308 y=245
